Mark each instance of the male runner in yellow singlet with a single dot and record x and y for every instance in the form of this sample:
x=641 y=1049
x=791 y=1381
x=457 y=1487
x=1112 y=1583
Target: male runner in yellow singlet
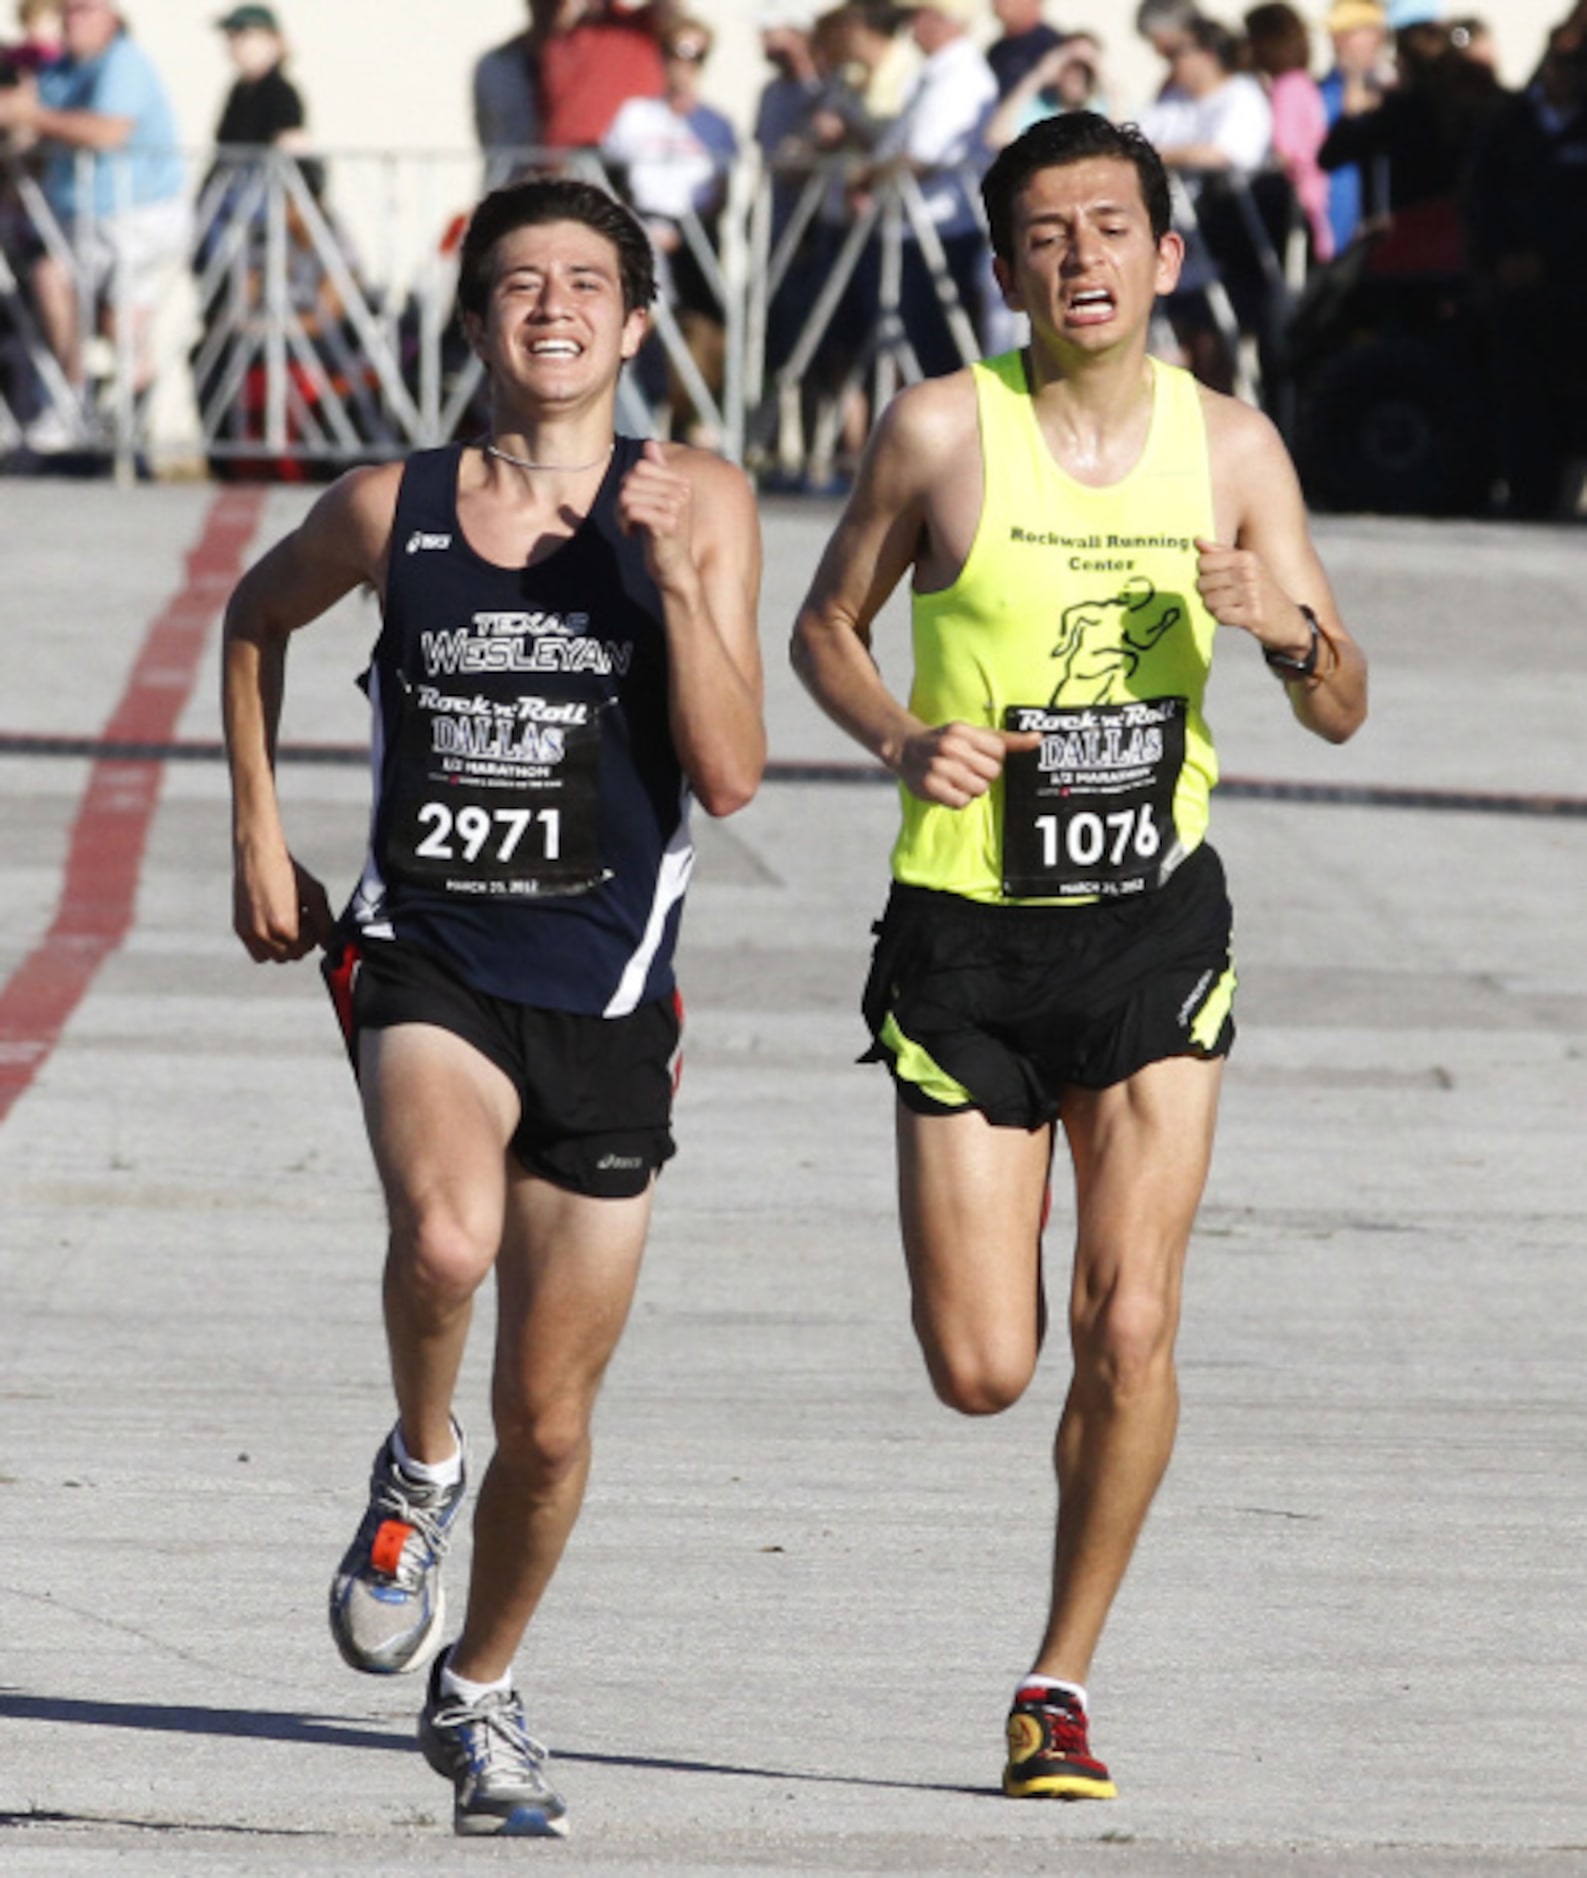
x=1078 y=519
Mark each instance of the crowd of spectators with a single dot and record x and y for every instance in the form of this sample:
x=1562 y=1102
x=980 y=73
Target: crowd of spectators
x=1397 y=154
x=1358 y=134
x=86 y=113
x=97 y=95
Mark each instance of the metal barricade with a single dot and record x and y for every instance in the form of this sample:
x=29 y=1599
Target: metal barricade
x=306 y=324
x=794 y=418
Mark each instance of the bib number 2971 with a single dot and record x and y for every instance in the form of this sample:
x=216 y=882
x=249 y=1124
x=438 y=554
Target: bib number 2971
x=494 y=834
x=496 y=797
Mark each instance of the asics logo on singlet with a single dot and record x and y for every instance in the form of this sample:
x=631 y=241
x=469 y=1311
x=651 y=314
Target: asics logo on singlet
x=418 y=541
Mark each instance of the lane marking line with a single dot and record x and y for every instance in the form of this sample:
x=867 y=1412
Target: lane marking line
x=104 y=861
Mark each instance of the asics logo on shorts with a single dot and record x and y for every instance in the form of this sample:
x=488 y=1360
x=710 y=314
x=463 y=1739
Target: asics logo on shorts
x=1188 y=1009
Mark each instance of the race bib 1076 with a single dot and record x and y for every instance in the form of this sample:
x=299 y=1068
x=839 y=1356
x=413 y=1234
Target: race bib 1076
x=1090 y=812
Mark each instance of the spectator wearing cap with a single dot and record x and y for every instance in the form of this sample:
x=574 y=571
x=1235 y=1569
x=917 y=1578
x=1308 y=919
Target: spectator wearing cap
x=1423 y=132
x=1025 y=41
x=1404 y=13
x=263 y=109
x=1361 y=73
x=103 y=98
x=937 y=137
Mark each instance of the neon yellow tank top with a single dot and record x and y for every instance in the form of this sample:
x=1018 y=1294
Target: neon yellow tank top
x=1075 y=613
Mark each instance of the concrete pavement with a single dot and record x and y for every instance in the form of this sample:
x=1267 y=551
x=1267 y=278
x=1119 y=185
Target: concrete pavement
x=785 y=1632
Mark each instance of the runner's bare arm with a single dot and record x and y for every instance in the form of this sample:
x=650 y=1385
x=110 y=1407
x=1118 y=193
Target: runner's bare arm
x=697 y=518
x=882 y=534
x=1272 y=570
x=279 y=910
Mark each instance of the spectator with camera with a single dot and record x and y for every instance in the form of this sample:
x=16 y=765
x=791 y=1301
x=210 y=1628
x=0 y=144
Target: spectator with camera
x=1027 y=38
x=1068 y=77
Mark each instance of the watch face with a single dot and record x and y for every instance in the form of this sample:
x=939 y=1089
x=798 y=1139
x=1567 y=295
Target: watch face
x=1304 y=666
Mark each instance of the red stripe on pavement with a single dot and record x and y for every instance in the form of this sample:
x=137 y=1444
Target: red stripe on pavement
x=105 y=858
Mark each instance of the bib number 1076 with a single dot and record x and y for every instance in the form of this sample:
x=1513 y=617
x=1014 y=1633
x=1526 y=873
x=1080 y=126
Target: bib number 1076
x=1090 y=813
x=1088 y=838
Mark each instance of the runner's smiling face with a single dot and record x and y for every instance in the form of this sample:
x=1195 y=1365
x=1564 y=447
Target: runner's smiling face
x=555 y=325
x=1086 y=266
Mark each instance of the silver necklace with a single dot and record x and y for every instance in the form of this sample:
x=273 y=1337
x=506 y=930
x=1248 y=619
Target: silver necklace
x=566 y=469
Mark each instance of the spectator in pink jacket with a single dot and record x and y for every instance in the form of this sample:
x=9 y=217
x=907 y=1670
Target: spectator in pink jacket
x=1281 y=54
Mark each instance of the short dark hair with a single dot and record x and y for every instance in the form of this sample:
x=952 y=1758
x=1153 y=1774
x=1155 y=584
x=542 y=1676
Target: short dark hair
x=1056 y=142
x=535 y=200
x=1278 y=39
x=1209 y=36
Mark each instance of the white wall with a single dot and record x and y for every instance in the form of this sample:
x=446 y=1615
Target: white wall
x=394 y=74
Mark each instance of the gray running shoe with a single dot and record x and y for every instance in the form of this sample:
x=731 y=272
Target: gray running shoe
x=387 y=1607
x=496 y=1767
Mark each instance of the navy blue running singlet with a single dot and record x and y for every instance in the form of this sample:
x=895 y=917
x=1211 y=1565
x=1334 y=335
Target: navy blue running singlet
x=531 y=820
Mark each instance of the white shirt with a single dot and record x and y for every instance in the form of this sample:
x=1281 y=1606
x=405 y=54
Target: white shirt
x=940 y=127
x=674 y=163
x=1235 y=119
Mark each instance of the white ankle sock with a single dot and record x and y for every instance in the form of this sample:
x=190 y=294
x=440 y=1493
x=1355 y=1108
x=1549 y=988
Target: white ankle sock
x=472 y=1692
x=428 y=1473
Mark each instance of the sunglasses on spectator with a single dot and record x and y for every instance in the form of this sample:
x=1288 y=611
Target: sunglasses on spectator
x=689 y=52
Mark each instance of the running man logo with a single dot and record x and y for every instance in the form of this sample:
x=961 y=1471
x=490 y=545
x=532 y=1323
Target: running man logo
x=1102 y=642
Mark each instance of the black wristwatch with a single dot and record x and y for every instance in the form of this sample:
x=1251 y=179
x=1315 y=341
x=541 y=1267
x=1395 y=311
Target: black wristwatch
x=1303 y=667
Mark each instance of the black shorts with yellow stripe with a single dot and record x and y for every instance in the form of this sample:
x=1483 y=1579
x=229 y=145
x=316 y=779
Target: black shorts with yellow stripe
x=1000 y=1008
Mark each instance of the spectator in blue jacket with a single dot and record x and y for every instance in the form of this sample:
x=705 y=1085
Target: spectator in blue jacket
x=114 y=181
x=1359 y=76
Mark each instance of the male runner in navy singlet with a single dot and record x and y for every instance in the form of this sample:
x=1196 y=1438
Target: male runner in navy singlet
x=567 y=658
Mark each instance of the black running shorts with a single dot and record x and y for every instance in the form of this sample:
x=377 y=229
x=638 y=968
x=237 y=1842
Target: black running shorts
x=999 y=1008
x=596 y=1092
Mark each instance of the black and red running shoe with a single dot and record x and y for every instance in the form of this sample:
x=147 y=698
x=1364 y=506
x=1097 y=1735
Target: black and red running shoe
x=1049 y=1751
